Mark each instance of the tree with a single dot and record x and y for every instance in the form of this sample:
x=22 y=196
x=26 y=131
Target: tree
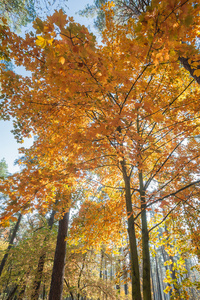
x=19 y=276
x=41 y=262
x=124 y=109
x=128 y=9
x=19 y=13
x=3 y=169
x=11 y=241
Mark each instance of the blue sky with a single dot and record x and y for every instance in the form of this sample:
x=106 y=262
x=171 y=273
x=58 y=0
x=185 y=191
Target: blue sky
x=8 y=145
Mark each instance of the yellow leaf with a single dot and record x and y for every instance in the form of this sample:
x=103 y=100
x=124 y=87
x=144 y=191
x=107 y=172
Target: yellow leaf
x=41 y=42
x=62 y=60
x=168 y=288
x=197 y=72
x=50 y=41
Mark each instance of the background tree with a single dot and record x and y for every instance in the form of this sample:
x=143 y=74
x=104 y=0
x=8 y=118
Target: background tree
x=128 y=9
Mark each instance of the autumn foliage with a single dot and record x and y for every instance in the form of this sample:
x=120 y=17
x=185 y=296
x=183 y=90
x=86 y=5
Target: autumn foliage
x=123 y=115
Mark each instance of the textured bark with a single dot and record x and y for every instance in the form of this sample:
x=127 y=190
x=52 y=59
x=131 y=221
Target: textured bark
x=41 y=262
x=23 y=284
x=12 y=293
x=13 y=236
x=145 y=245
x=101 y=265
x=22 y=292
x=187 y=66
x=118 y=268
x=59 y=260
x=160 y=293
x=135 y=276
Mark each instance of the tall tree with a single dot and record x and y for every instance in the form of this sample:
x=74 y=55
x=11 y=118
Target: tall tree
x=125 y=109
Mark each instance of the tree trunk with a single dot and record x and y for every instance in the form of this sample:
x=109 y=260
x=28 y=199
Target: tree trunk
x=187 y=66
x=158 y=279
x=23 y=280
x=145 y=245
x=101 y=265
x=10 y=243
x=12 y=293
x=118 y=269
x=59 y=260
x=135 y=276
x=80 y=274
x=41 y=262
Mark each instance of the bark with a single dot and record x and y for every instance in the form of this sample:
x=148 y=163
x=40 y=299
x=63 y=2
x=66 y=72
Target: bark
x=57 y=278
x=44 y=292
x=80 y=275
x=153 y=284
x=187 y=66
x=13 y=236
x=118 y=268
x=101 y=265
x=41 y=262
x=111 y=270
x=24 y=283
x=22 y=292
x=135 y=276
x=158 y=279
x=12 y=293
x=145 y=245
x=125 y=279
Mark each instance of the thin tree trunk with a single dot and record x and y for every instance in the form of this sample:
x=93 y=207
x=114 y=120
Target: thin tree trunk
x=24 y=281
x=145 y=244
x=135 y=275
x=13 y=236
x=72 y=296
x=12 y=293
x=101 y=265
x=22 y=292
x=57 y=278
x=41 y=262
x=158 y=279
x=44 y=292
x=80 y=274
x=118 y=267
x=154 y=290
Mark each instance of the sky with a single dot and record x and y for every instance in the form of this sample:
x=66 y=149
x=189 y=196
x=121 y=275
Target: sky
x=8 y=145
